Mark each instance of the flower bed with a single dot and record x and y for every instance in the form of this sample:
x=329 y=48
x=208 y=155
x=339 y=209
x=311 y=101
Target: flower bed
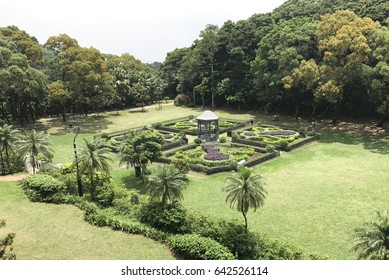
x=188 y=125
x=263 y=136
x=214 y=157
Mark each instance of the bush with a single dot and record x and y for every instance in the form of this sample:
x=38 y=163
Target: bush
x=223 y=139
x=182 y=164
x=282 y=145
x=6 y=249
x=196 y=247
x=43 y=188
x=311 y=133
x=67 y=168
x=170 y=218
x=182 y=99
x=198 y=141
x=231 y=235
x=270 y=148
x=105 y=135
x=105 y=194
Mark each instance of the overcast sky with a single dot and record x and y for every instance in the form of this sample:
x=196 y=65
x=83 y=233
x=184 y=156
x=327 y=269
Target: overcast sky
x=147 y=29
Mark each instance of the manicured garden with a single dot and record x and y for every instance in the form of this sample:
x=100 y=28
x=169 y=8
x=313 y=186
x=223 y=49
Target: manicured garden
x=316 y=196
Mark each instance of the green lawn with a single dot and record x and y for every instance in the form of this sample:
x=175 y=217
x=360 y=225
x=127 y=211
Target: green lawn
x=317 y=195
x=58 y=232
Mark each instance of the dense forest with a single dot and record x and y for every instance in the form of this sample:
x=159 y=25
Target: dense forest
x=312 y=58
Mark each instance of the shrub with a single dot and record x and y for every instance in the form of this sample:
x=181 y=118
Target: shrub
x=6 y=249
x=182 y=164
x=282 y=144
x=196 y=247
x=311 y=133
x=198 y=141
x=43 y=188
x=67 y=168
x=105 y=194
x=105 y=135
x=223 y=139
x=170 y=218
x=231 y=235
x=182 y=99
x=270 y=148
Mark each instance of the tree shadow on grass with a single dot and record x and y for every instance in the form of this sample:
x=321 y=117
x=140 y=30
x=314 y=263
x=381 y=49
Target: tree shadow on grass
x=56 y=126
x=132 y=182
x=90 y=124
x=375 y=144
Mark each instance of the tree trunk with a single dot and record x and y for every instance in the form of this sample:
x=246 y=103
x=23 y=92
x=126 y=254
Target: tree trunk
x=194 y=97
x=245 y=221
x=63 y=114
x=381 y=122
x=336 y=112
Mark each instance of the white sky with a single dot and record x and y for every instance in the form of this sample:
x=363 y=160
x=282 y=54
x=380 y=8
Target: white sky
x=147 y=29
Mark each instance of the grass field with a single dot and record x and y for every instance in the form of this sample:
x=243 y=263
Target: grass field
x=317 y=195
x=58 y=232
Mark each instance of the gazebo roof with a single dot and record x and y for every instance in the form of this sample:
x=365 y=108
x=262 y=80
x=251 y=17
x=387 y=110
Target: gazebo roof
x=207 y=116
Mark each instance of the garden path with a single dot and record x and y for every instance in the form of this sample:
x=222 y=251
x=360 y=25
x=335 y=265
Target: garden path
x=13 y=177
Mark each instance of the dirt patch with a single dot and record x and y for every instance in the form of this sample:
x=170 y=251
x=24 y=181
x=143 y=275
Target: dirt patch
x=13 y=178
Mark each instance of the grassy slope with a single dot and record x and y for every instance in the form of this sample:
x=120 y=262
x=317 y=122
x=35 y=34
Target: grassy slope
x=316 y=195
x=52 y=232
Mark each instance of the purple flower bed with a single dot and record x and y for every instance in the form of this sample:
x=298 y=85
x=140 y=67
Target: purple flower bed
x=213 y=153
x=278 y=132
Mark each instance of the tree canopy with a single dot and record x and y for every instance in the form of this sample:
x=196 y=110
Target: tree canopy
x=312 y=58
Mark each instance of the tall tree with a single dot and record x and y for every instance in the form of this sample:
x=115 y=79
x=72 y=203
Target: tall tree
x=8 y=137
x=166 y=184
x=208 y=46
x=372 y=241
x=34 y=144
x=345 y=45
x=245 y=191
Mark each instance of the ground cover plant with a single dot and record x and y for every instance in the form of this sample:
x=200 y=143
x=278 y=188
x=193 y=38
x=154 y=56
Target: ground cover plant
x=216 y=157
x=188 y=125
x=272 y=136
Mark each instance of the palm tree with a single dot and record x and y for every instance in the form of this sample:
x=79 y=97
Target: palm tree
x=166 y=184
x=32 y=144
x=7 y=140
x=245 y=191
x=93 y=158
x=372 y=241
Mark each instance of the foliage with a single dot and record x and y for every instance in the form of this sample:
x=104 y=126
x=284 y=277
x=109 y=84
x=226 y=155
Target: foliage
x=6 y=249
x=245 y=191
x=182 y=99
x=372 y=241
x=195 y=247
x=93 y=158
x=143 y=147
x=168 y=218
x=166 y=184
x=43 y=188
x=34 y=144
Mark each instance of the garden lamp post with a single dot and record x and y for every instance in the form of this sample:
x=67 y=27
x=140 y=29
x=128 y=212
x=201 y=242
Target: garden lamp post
x=71 y=125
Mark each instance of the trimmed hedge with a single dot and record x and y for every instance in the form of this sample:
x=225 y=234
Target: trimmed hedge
x=196 y=247
x=43 y=188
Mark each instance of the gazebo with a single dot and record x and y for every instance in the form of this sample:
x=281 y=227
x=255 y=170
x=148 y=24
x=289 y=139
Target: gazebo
x=208 y=126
